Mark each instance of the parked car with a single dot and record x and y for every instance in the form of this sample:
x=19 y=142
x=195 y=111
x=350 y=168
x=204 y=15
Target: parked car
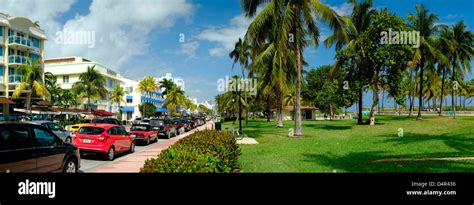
x=105 y=139
x=178 y=123
x=165 y=127
x=111 y=121
x=29 y=147
x=144 y=133
x=56 y=129
x=188 y=123
x=144 y=122
x=137 y=120
x=74 y=128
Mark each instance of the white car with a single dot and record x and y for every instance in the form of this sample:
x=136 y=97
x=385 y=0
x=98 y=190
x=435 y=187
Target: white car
x=56 y=129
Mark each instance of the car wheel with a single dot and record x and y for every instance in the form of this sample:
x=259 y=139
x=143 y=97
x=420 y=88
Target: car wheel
x=70 y=166
x=132 y=147
x=68 y=140
x=111 y=154
x=169 y=135
x=148 y=141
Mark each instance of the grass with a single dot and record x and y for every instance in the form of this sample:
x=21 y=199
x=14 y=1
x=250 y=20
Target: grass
x=343 y=146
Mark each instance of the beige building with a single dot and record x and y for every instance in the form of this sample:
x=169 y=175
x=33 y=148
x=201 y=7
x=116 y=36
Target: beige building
x=21 y=42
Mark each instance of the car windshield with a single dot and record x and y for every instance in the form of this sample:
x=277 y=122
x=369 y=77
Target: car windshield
x=139 y=128
x=145 y=120
x=156 y=122
x=91 y=130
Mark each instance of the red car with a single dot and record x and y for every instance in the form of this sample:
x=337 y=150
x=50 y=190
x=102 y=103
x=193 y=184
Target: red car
x=105 y=139
x=144 y=133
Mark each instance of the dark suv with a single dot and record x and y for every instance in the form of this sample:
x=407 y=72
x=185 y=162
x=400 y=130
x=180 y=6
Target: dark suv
x=27 y=147
x=112 y=121
x=165 y=127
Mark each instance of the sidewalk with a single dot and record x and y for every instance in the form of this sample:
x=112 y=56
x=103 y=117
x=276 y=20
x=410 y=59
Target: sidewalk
x=132 y=163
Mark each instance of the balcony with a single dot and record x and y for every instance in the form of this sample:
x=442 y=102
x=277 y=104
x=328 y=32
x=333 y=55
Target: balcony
x=22 y=43
x=14 y=79
x=18 y=60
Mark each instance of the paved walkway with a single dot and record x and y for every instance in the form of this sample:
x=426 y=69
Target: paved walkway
x=133 y=162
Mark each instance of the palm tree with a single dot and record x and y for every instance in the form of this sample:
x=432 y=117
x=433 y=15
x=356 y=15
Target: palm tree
x=174 y=99
x=461 y=53
x=68 y=99
x=167 y=84
x=117 y=95
x=357 y=23
x=424 y=22
x=296 y=21
x=241 y=54
x=53 y=88
x=31 y=83
x=147 y=85
x=91 y=84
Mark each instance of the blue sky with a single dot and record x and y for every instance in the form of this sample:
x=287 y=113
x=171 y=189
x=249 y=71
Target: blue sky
x=140 y=38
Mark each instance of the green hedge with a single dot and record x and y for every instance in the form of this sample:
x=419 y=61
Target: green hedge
x=206 y=151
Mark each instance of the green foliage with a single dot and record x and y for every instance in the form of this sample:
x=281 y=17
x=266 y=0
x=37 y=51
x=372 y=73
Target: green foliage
x=149 y=107
x=201 y=152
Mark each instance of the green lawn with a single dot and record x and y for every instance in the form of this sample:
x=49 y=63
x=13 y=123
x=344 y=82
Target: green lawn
x=343 y=146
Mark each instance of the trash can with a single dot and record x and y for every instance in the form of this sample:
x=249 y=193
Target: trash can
x=217 y=125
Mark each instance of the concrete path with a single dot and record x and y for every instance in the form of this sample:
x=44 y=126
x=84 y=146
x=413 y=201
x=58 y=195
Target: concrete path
x=132 y=163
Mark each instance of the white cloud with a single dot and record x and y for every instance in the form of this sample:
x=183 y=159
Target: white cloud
x=121 y=27
x=189 y=49
x=343 y=9
x=225 y=37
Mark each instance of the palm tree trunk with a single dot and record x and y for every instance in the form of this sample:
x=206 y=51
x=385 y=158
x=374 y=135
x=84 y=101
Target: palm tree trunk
x=453 y=95
x=240 y=112
x=420 y=100
x=376 y=101
x=268 y=108
x=359 y=117
x=298 y=130
x=280 y=110
x=413 y=93
x=383 y=95
x=442 y=93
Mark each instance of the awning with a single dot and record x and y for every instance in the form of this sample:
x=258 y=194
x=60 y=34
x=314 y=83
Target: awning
x=160 y=109
x=129 y=97
x=6 y=101
x=102 y=113
x=127 y=109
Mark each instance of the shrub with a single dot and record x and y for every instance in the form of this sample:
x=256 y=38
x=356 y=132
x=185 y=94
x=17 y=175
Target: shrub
x=206 y=151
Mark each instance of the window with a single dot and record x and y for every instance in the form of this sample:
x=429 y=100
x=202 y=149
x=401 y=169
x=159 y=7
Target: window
x=11 y=32
x=91 y=130
x=121 y=131
x=129 y=100
x=1 y=50
x=113 y=131
x=1 y=30
x=45 y=138
x=54 y=127
x=15 y=137
x=65 y=79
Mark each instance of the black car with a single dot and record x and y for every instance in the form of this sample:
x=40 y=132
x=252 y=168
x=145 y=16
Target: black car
x=27 y=147
x=165 y=127
x=188 y=123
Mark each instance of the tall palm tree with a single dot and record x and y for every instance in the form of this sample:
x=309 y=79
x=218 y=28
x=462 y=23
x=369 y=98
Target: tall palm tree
x=68 y=99
x=174 y=99
x=147 y=85
x=357 y=23
x=54 y=89
x=91 y=84
x=425 y=23
x=117 y=95
x=167 y=84
x=31 y=83
x=460 y=57
x=241 y=54
x=298 y=21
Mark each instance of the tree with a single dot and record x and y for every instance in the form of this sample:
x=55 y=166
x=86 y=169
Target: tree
x=297 y=21
x=117 y=95
x=174 y=99
x=147 y=109
x=167 y=84
x=204 y=109
x=241 y=54
x=145 y=86
x=68 y=99
x=357 y=23
x=32 y=83
x=425 y=23
x=53 y=88
x=460 y=56
x=91 y=84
